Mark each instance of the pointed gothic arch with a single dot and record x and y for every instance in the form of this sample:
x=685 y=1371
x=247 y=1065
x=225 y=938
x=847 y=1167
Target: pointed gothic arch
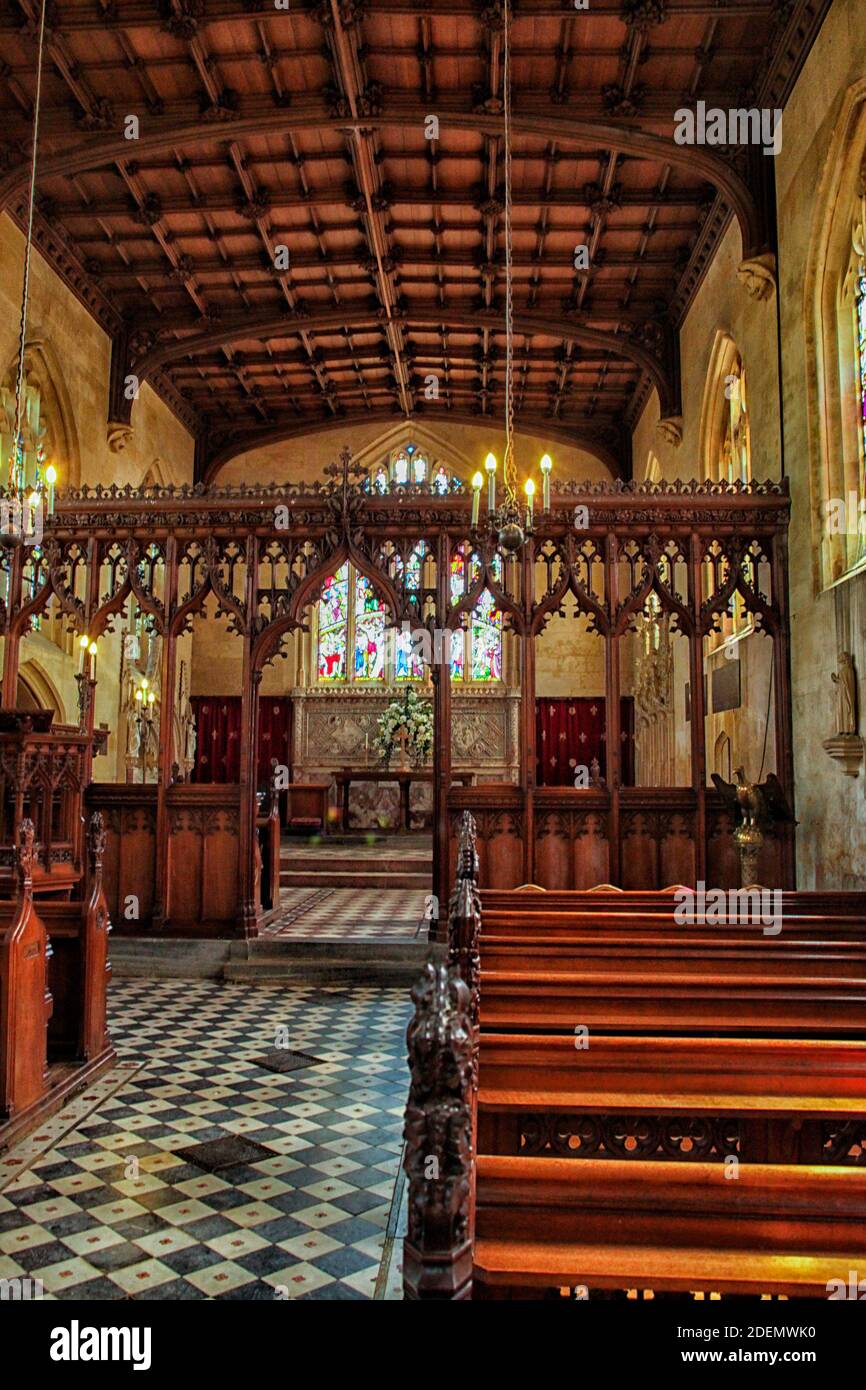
x=834 y=404
x=43 y=371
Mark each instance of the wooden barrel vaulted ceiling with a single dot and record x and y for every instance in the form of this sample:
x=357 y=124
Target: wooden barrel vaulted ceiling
x=306 y=128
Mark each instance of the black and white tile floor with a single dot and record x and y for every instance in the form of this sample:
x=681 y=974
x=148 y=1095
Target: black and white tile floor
x=109 y=1209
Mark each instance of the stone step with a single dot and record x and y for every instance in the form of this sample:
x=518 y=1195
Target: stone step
x=317 y=950
x=378 y=966
x=161 y=958
x=353 y=863
x=359 y=878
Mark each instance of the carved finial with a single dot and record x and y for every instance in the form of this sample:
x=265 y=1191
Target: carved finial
x=26 y=855
x=464 y=914
x=96 y=840
x=438 y=1132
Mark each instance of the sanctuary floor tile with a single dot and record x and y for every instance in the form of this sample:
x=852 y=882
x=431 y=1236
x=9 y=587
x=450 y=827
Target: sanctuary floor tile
x=351 y=914
x=113 y=1204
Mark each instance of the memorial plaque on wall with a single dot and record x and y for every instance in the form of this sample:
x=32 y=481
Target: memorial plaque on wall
x=726 y=686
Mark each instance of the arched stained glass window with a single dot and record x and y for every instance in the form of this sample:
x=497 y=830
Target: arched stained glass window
x=409 y=660
x=476 y=654
x=333 y=626
x=486 y=640
x=355 y=642
x=369 y=632
x=440 y=481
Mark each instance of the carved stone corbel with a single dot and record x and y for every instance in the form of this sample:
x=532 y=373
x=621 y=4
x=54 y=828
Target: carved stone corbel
x=670 y=429
x=846 y=749
x=118 y=435
x=758 y=275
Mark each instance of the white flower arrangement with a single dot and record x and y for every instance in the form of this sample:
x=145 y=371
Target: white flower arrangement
x=413 y=715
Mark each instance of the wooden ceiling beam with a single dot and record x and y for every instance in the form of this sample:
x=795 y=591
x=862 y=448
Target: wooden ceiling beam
x=354 y=95
x=160 y=134
x=662 y=372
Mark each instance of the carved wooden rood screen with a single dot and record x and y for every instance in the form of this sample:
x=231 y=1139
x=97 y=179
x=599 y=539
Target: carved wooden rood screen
x=687 y=554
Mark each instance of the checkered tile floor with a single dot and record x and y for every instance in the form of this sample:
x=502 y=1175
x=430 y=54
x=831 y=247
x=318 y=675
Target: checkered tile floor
x=351 y=914
x=110 y=1211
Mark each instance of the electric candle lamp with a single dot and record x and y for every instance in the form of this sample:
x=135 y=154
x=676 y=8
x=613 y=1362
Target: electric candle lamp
x=477 y=483
x=91 y=650
x=529 y=489
x=33 y=511
x=139 y=695
x=490 y=465
x=51 y=480
x=546 y=465
x=84 y=643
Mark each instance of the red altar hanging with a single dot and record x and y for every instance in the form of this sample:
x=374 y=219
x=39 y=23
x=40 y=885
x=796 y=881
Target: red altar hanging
x=570 y=733
x=218 y=737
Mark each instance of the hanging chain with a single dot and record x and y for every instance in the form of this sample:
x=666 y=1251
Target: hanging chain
x=25 y=295
x=509 y=467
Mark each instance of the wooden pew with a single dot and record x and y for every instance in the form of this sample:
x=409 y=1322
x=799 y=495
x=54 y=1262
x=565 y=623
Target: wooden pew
x=544 y=1223
x=610 y=1166
x=683 y=1098
x=731 y=955
x=80 y=968
x=65 y=1040
x=25 y=999
x=663 y=1001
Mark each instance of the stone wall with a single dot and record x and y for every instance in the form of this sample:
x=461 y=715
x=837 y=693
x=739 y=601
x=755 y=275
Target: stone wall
x=831 y=807
x=74 y=355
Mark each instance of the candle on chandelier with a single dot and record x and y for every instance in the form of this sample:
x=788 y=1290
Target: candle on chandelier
x=529 y=489
x=91 y=651
x=490 y=465
x=84 y=643
x=51 y=480
x=477 y=483
x=33 y=502
x=546 y=466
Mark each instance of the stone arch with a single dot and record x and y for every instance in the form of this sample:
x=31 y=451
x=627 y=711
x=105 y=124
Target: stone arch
x=722 y=757
x=155 y=475
x=42 y=369
x=42 y=690
x=725 y=361
x=835 y=464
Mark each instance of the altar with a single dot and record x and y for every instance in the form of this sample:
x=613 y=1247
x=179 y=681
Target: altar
x=404 y=777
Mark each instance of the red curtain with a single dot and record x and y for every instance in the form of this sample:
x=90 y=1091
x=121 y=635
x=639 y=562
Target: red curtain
x=275 y=715
x=570 y=732
x=218 y=742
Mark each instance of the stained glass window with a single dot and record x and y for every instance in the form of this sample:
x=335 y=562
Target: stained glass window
x=355 y=642
x=333 y=626
x=369 y=632
x=409 y=663
x=484 y=635
x=486 y=638
x=380 y=481
x=440 y=480
x=860 y=301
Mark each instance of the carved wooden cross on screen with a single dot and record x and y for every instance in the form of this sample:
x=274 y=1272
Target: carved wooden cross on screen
x=344 y=500
x=342 y=471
